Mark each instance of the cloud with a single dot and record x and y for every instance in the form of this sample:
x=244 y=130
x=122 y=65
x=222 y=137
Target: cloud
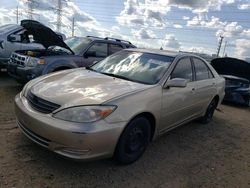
x=185 y=18
x=196 y=49
x=230 y=30
x=143 y=33
x=136 y=13
x=244 y=6
x=177 y=26
x=246 y=33
x=6 y=16
x=242 y=48
x=170 y=42
x=201 y=20
x=199 y=6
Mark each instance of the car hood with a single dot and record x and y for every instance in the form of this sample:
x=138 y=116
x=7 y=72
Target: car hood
x=43 y=34
x=83 y=87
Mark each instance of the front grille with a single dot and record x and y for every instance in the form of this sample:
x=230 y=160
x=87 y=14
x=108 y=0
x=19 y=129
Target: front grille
x=41 y=105
x=17 y=59
x=33 y=136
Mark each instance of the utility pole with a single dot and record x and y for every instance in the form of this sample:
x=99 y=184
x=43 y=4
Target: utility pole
x=219 y=47
x=224 y=49
x=59 y=12
x=59 y=15
x=73 y=27
x=31 y=5
x=17 y=15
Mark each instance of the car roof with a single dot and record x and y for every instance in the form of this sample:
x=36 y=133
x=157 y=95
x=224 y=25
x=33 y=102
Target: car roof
x=161 y=52
x=110 y=39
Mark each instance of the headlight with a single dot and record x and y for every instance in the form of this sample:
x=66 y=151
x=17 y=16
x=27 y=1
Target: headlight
x=84 y=114
x=32 y=62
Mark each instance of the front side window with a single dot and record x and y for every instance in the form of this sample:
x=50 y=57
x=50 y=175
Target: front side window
x=77 y=44
x=183 y=70
x=135 y=66
x=98 y=50
x=201 y=70
x=113 y=48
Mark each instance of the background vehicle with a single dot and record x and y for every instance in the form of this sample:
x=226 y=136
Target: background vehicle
x=75 y=52
x=15 y=37
x=118 y=105
x=237 y=75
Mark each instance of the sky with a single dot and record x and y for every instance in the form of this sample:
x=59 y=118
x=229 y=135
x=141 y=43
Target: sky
x=186 y=25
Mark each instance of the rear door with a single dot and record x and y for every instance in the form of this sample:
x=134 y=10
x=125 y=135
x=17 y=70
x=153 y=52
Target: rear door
x=177 y=103
x=205 y=83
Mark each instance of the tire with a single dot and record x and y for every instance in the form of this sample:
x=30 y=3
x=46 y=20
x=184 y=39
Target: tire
x=133 y=141
x=209 y=112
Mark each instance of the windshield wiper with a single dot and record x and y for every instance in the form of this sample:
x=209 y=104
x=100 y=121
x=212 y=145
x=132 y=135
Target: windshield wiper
x=121 y=77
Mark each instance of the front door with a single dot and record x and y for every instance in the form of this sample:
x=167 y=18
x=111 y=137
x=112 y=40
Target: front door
x=178 y=103
x=97 y=52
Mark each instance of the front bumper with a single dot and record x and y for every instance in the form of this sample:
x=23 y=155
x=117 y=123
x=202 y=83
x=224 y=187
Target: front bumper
x=239 y=96
x=24 y=74
x=83 y=141
x=3 y=63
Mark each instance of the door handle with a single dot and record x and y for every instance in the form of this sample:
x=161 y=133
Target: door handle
x=193 y=89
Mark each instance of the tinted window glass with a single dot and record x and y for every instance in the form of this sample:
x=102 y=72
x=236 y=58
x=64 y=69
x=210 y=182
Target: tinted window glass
x=114 y=48
x=183 y=69
x=210 y=74
x=77 y=44
x=100 y=49
x=201 y=70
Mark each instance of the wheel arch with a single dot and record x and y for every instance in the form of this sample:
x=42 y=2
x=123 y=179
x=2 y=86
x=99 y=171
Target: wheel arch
x=149 y=116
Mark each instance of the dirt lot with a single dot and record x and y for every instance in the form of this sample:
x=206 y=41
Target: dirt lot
x=194 y=155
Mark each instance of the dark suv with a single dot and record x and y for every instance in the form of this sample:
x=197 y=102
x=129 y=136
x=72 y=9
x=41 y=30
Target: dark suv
x=74 y=52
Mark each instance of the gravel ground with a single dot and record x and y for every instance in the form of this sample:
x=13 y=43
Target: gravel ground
x=194 y=155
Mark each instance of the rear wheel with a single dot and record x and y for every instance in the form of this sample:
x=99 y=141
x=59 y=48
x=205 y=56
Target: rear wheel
x=133 y=141
x=209 y=113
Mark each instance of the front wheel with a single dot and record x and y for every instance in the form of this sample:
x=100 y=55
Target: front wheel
x=209 y=113
x=133 y=141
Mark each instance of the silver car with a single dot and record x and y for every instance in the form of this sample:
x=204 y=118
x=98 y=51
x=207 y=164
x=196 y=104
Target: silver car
x=117 y=106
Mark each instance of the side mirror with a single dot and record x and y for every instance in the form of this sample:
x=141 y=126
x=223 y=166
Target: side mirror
x=176 y=82
x=90 y=54
x=14 y=38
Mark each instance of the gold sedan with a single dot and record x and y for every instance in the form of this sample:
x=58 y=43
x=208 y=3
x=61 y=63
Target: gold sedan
x=120 y=104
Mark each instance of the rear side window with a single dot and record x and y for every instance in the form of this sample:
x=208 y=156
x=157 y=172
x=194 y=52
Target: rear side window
x=114 y=48
x=183 y=70
x=202 y=72
x=100 y=49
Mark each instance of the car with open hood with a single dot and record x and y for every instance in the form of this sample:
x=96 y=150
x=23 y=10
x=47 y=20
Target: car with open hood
x=237 y=75
x=15 y=37
x=118 y=105
x=57 y=54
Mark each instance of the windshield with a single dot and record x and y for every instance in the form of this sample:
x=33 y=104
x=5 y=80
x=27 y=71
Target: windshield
x=139 y=67
x=77 y=45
